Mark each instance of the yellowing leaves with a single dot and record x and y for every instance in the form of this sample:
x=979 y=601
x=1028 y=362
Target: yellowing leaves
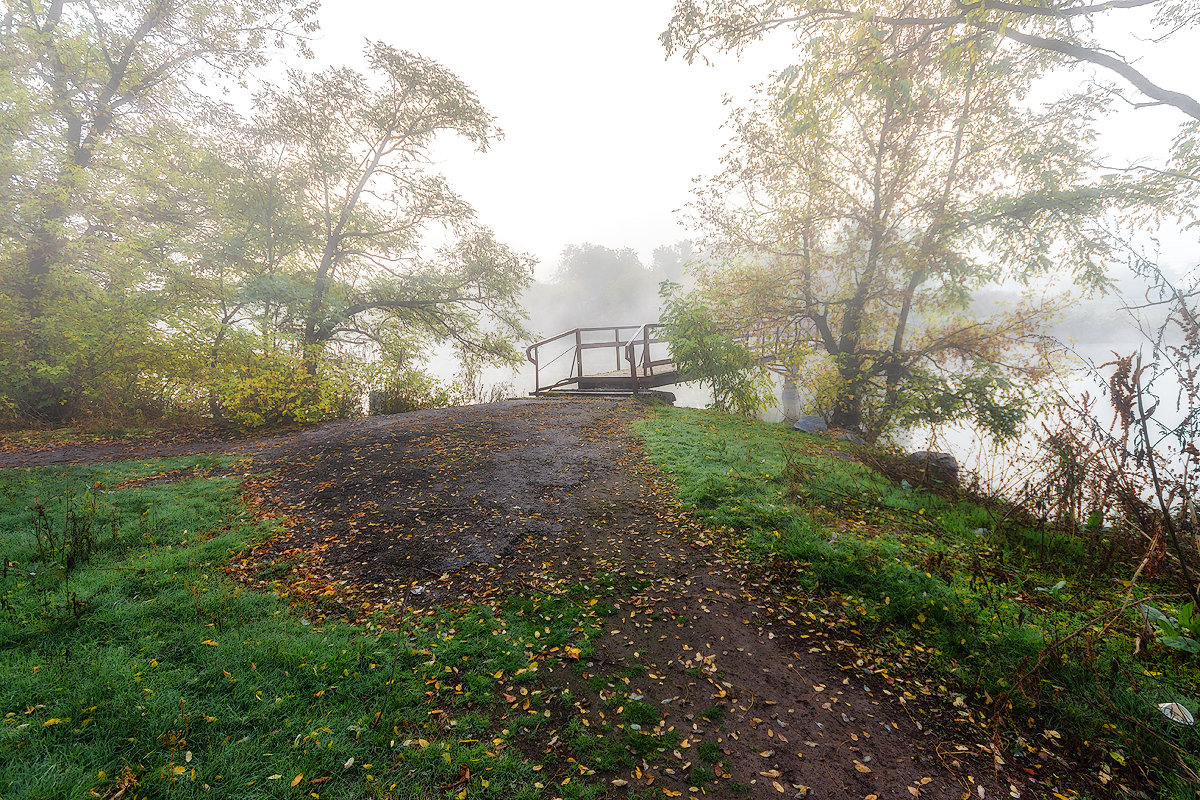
x=209 y=642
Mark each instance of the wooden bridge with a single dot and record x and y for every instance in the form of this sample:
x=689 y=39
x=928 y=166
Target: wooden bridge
x=638 y=356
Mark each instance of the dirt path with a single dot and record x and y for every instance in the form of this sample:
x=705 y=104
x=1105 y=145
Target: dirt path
x=499 y=498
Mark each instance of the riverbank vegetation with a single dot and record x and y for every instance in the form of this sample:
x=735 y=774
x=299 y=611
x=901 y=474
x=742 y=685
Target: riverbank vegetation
x=1058 y=633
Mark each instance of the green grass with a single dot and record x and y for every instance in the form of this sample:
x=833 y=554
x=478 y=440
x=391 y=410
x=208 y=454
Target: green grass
x=128 y=655
x=909 y=569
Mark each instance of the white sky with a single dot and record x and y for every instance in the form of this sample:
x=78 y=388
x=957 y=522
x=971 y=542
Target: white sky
x=603 y=135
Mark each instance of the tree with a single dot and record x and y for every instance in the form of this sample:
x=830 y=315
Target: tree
x=396 y=260
x=706 y=352
x=1062 y=29
x=595 y=285
x=867 y=197
x=95 y=178
x=236 y=272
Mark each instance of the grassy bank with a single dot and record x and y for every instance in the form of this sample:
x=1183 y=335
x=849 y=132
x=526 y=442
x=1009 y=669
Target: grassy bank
x=131 y=665
x=1021 y=619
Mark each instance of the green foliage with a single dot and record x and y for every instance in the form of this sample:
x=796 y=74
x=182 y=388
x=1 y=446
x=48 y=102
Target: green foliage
x=159 y=254
x=1011 y=614
x=706 y=352
x=402 y=391
x=871 y=192
x=99 y=179
x=1182 y=632
x=1055 y=33
x=360 y=143
x=275 y=389
x=982 y=394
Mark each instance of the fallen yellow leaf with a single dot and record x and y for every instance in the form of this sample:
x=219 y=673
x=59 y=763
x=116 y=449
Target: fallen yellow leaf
x=297 y=779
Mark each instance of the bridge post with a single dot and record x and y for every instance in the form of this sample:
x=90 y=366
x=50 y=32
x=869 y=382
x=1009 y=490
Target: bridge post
x=579 y=351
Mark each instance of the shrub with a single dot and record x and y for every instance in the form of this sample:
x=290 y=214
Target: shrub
x=275 y=388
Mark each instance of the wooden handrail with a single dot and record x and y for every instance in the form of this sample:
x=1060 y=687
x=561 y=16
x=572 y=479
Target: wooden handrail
x=618 y=343
x=635 y=374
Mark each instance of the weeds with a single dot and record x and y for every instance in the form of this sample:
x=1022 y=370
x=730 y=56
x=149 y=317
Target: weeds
x=68 y=538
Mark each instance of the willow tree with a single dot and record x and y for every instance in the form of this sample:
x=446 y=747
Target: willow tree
x=395 y=260
x=866 y=198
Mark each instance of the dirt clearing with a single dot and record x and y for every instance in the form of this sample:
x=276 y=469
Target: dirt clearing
x=765 y=695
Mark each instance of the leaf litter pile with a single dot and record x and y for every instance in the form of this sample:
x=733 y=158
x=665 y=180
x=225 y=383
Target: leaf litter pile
x=680 y=670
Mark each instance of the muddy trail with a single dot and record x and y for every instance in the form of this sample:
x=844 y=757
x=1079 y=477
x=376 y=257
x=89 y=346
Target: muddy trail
x=440 y=506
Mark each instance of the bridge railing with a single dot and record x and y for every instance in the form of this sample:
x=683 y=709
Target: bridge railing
x=642 y=364
x=623 y=340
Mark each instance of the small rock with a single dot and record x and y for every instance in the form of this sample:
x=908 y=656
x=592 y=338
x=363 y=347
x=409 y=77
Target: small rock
x=938 y=466
x=810 y=423
x=851 y=437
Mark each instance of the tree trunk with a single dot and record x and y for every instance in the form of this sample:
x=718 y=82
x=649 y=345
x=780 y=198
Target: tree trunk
x=847 y=410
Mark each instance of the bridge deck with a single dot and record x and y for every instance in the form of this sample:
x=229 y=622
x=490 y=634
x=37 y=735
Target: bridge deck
x=622 y=381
